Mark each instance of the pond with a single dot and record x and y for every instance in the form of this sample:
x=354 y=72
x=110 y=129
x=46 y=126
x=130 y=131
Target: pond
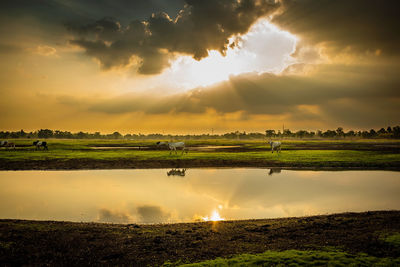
x=179 y=195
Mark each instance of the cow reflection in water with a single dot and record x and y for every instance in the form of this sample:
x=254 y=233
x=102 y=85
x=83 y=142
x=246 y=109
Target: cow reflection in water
x=274 y=170
x=177 y=172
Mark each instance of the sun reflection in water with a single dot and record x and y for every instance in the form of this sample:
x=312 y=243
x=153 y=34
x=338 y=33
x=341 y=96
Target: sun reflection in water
x=214 y=217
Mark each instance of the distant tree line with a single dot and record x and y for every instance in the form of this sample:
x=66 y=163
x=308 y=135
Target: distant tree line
x=389 y=132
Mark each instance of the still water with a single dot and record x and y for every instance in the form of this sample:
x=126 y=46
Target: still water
x=164 y=195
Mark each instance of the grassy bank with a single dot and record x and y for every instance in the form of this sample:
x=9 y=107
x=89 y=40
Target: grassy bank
x=300 y=258
x=351 y=238
x=84 y=154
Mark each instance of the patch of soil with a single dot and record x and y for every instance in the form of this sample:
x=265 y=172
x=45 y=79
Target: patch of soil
x=65 y=243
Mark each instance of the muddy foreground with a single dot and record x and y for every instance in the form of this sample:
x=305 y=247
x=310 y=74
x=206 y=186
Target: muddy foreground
x=65 y=243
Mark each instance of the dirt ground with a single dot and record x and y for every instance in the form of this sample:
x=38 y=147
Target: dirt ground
x=65 y=243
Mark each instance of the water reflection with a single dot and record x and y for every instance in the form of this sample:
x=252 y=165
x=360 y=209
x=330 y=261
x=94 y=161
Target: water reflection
x=150 y=196
x=274 y=170
x=177 y=172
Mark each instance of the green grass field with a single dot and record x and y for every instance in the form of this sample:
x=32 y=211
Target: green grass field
x=299 y=258
x=298 y=153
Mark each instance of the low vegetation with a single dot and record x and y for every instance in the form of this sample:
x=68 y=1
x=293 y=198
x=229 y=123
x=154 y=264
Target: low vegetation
x=84 y=154
x=393 y=239
x=299 y=258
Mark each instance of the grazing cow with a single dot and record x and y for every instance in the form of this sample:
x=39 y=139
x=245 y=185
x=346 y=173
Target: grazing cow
x=174 y=146
x=39 y=144
x=177 y=172
x=3 y=142
x=6 y=144
x=275 y=146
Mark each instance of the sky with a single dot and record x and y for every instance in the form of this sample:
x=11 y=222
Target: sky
x=197 y=66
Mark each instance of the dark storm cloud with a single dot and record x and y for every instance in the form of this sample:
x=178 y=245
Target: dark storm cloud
x=70 y=11
x=44 y=21
x=124 y=10
x=360 y=25
x=200 y=26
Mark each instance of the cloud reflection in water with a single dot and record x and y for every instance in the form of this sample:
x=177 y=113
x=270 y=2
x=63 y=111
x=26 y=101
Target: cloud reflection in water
x=150 y=196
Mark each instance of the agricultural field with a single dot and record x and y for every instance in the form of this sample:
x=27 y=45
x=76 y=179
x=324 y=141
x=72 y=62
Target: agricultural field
x=120 y=154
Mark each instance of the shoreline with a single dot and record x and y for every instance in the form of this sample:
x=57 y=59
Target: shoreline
x=27 y=242
x=94 y=164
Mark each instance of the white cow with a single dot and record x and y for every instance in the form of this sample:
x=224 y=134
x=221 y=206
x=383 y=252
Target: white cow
x=39 y=144
x=6 y=144
x=275 y=146
x=3 y=142
x=174 y=146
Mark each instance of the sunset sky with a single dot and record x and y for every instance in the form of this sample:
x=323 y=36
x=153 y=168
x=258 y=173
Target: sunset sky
x=189 y=66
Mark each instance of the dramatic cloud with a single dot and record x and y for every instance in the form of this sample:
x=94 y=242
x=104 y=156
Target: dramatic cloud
x=318 y=97
x=270 y=93
x=356 y=25
x=345 y=69
x=29 y=23
x=201 y=26
x=62 y=11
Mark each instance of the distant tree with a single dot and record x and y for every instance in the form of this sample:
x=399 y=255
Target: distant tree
x=45 y=133
x=382 y=133
x=14 y=135
x=116 y=135
x=270 y=133
x=372 y=133
x=339 y=131
x=329 y=133
x=287 y=133
x=80 y=135
x=350 y=133
x=4 y=135
x=97 y=135
x=365 y=134
x=32 y=135
x=301 y=134
x=390 y=132
x=62 y=134
x=396 y=132
x=22 y=134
